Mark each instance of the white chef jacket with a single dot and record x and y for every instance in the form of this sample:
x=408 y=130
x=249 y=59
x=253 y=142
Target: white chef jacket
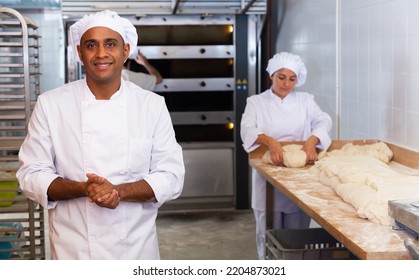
x=294 y=118
x=146 y=81
x=125 y=139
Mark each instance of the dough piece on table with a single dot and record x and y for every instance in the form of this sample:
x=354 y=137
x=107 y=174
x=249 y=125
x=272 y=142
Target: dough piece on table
x=350 y=169
x=379 y=150
x=293 y=156
x=367 y=183
x=322 y=154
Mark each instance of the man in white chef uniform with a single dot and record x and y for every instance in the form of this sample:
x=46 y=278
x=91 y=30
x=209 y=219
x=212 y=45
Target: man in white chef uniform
x=282 y=114
x=101 y=153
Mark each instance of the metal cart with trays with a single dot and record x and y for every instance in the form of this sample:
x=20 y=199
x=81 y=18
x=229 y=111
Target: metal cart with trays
x=22 y=234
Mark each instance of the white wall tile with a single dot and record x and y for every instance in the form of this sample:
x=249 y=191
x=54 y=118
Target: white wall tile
x=399 y=23
x=363 y=118
x=374 y=81
x=387 y=54
x=400 y=91
x=386 y=18
x=399 y=127
x=363 y=85
x=412 y=17
x=413 y=93
x=413 y=53
x=373 y=121
x=347 y=5
x=374 y=23
x=412 y=131
x=379 y=63
x=386 y=89
x=400 y=54
x=385 y=125
x=374 y=54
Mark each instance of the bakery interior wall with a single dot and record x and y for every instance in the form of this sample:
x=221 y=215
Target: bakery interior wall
x=362 y=60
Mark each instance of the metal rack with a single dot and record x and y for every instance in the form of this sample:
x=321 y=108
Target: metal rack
x=21 y=220
x=198 y=87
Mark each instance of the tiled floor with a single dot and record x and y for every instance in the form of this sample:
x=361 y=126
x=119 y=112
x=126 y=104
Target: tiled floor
x=209 y=235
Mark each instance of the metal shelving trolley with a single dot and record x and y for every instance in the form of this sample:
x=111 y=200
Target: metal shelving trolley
x=22 y=234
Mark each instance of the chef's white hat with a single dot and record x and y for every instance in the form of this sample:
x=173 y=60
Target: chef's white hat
x=107 y=19
x=290 y=61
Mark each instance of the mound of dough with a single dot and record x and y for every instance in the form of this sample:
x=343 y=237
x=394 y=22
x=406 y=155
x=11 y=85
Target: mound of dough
x=379 y=150
x=365 y=180
x=293 y=156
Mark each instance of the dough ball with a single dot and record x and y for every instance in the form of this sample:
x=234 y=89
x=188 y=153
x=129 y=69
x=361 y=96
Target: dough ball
x=266 y=158
x=292 y=147
x=293 y=156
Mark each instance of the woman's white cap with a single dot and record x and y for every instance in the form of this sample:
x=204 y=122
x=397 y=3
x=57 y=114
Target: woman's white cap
x=290 y=61
x=107 y=19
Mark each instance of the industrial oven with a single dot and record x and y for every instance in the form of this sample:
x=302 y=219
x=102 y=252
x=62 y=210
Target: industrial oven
x=205 y=88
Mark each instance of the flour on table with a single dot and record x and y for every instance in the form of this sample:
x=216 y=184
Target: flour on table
x=363 y=178
x=293 y=156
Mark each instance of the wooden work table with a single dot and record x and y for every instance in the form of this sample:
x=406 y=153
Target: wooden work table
x=365 y=239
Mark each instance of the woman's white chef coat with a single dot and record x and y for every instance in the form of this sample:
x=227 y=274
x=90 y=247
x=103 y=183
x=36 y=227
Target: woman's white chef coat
x=146 y=81
x=294 y=118
x=125 y=139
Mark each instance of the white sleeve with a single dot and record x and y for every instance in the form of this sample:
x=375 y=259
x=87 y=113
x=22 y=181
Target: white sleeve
x=36 y=159
x=145 y=81
x=321 y=124
x=167 y=169
x=249 y=131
